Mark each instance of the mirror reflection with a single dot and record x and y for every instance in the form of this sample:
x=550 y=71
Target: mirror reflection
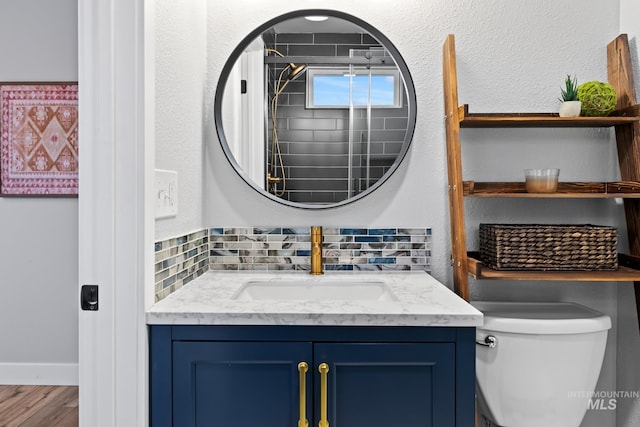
x=316 y=110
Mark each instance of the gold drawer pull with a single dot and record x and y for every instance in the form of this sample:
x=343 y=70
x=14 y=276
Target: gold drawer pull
x=303 y=367
x=323 y=368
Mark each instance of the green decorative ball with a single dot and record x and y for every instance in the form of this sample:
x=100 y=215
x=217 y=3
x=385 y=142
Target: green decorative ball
x=597 y=98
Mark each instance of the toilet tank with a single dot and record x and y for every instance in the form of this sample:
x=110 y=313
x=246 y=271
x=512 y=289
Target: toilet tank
x=546 y=361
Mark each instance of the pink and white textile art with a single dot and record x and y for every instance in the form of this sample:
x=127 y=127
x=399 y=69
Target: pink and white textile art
x=39 y=139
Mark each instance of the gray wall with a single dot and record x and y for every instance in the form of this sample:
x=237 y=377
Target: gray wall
x=314 y=143
x=39 y=255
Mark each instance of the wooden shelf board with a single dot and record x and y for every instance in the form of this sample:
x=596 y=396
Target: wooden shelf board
x=625 y=272
x=514 y=120
x=566 y=190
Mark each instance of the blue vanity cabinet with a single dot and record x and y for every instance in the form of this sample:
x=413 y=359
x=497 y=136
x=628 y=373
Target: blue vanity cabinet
x=245 y=376
x=237 y=383
x=388 y=384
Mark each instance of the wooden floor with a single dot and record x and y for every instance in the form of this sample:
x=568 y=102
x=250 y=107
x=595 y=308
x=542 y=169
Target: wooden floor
x=38 y=406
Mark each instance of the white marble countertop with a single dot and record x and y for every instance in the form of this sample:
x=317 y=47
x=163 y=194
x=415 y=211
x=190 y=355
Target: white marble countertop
x=421 y=301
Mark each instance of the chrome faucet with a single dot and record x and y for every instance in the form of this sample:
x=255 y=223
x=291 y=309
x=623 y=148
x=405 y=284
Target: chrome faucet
x=316 y=250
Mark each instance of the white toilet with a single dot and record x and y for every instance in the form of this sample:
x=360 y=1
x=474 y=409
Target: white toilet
x=536 y=363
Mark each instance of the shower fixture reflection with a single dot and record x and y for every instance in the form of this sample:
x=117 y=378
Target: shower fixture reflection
x=294 y=71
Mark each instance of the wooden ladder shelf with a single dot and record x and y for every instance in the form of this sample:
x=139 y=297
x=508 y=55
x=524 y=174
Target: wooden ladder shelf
x=626 y=122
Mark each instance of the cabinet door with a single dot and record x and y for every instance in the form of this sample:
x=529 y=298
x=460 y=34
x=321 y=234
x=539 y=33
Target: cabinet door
x=237 y=384
x=382 y=385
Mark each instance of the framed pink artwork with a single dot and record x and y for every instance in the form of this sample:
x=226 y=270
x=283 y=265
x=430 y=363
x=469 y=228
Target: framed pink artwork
x=38 y=139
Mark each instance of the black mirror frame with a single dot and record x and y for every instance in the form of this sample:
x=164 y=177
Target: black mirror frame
x=402 y=66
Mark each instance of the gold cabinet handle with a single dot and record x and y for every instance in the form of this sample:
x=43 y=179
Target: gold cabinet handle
x=303 y=367
x=323 y=368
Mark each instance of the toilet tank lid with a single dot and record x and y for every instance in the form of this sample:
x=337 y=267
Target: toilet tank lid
x=541 y=317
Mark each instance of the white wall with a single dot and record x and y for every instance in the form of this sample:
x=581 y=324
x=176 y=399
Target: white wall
x=39 y=255
x=628 y=412
x=180 y=67
x=512 y=56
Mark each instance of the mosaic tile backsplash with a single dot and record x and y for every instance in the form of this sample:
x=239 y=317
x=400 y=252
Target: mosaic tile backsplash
x=179 y=260
x=281 y=248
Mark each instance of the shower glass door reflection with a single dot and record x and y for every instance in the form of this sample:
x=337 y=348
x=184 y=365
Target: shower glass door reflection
x=358 y=177
x=374 y=93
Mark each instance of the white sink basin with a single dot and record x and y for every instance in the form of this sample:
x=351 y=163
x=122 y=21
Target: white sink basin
x=315 y=290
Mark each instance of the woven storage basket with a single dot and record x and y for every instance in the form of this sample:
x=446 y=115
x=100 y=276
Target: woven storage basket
x=549 y=247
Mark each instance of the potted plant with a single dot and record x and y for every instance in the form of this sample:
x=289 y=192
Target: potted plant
x=570 y=105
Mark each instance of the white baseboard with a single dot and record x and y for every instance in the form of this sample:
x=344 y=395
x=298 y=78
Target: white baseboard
x=39 y=373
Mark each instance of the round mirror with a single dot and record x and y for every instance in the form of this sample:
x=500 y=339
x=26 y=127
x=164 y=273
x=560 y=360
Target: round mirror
x=315 y=109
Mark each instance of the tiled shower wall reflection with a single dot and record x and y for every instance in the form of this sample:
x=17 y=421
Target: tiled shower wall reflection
x=314 y=142
x=255 y=248
x=179 y=260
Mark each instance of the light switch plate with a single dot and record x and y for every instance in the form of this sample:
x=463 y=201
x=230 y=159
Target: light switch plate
x=166 y=195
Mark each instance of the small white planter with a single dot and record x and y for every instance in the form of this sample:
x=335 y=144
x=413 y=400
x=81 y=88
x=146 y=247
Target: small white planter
x=570 y=109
